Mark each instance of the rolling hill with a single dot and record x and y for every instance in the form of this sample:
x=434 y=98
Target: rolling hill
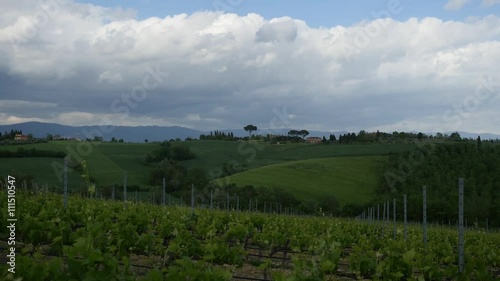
x=108 y=161
x=348 y=179
x=212 y=155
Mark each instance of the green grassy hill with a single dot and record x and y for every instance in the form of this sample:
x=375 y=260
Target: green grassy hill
x=348 y=179
x=41 y=169
x=106 y=163
x=211 y=155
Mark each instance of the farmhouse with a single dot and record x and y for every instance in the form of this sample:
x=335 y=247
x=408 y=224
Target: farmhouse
x=313 y=140
x=19 y=137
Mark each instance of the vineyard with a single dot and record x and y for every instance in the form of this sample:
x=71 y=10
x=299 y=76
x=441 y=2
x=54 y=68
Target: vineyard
x=94 y=239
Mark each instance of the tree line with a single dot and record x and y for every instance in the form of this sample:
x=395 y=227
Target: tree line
x=218 y=135
x=439 y=167
x=10 y=135
x=33 y=152
x=8 y=138
x=298 y=135
x=167 y=163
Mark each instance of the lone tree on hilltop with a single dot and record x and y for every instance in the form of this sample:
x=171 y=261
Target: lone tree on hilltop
x=250 y=129
x=303 y=133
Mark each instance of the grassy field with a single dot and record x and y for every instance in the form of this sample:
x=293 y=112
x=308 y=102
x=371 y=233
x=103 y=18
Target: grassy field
x=108 y=161
x=42 y=169
x=349 y=179
x=211 y=155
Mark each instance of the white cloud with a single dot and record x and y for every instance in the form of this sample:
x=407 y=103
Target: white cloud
x=18 y=104
x=455 y=4
x=9 y=119
x=226 y=70
x=277 y=30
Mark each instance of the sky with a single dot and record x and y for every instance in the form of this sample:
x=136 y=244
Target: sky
x=388 y=65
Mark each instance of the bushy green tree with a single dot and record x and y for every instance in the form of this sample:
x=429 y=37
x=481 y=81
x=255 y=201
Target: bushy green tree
x=250 y=128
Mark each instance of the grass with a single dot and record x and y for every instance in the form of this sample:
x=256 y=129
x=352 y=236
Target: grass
x=44 y=171
x=348 y=179
x=106 y=162
x=211 y=155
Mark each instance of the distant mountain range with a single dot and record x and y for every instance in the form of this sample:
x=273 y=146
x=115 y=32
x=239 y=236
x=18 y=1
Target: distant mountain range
x=155 y=133
x=127 y=133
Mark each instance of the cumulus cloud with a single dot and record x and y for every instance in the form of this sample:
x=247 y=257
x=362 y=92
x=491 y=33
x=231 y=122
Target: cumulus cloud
x=211 y=70
x=279 y=30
